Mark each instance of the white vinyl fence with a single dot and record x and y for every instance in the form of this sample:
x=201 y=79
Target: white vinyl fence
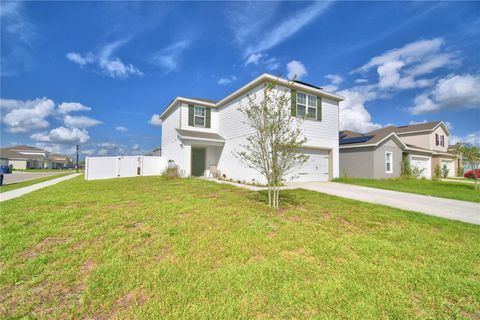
x=123 y=166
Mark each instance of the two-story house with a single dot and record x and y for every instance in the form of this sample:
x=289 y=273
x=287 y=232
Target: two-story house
x=201 y=136
x=378 y=154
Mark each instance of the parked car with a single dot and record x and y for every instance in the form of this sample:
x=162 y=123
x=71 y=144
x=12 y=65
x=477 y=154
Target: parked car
x=472 y=173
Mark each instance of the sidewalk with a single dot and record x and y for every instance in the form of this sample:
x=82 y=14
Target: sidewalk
x=4 y=196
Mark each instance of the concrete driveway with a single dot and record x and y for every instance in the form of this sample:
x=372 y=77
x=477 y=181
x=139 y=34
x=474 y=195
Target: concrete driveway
x=446 y=208
x=19 y=176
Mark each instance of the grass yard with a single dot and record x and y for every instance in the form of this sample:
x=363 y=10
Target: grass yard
x=151 y=248
x=443 y=189
x=12 y=186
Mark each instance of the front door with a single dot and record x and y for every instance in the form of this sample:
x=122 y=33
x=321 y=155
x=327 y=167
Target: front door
x=198 y=162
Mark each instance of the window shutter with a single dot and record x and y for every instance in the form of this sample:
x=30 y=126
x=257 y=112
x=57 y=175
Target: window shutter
x=208 y=112
x=319 y=108
x=190 y=115
x=293 y=103
x=436 y=139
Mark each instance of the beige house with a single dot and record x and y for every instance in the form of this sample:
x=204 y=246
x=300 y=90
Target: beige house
x=378 y=154
x=26 y=157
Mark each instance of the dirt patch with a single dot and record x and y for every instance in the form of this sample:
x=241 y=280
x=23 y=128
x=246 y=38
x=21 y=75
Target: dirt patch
x=131 y=299
x=297 y=253
x=43 y=246
x=165 y=254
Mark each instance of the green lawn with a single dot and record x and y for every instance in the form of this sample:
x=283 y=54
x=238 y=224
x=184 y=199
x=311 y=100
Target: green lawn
x=150 y=248
x=12 y=186
x=443 y=189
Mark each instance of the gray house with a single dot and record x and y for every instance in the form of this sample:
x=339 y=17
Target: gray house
x=378 y=154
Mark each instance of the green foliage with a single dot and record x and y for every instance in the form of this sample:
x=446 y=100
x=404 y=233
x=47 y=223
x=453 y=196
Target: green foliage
x=274 y=149
x=406 y=171
x=437 y=172
x=445 y=171
x=453 y=190
x=172 y=172
x=460 y=169
x=470 y=154
x=156 y=248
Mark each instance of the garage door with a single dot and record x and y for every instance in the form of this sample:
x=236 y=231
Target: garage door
x=422 y=163
x=449 y=164
x=316 y=168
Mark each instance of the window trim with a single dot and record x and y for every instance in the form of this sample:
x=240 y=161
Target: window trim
x=306 y=106
x=391 y=162
x=204 y=116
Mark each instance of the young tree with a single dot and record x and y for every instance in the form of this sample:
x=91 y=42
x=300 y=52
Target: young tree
x=471 y=155
x=274 y=147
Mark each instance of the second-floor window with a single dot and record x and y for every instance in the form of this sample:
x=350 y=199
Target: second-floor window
x=439 y=140
x=306 y=106
x=199 y=117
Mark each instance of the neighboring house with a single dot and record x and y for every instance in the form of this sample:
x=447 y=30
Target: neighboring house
x=378 y=154
x=26 y=157
x=59 y=161
x=201 y=135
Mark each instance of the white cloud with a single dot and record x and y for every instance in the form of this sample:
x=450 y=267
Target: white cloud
x=353 y=114
x=136 y=147
x=296 y=70
x=121 y=129
x=227 y=80
x=111 y=66
x=80 y=121
x=399 y=68
x=15 y=23
x=417 y=122
x=169 y=57
x=263 y=60
x=63 y=135
x=286 y=28
x=334 y=78
x=81 y=60
x=253 y=58
x=155 y=120
x=361 y=81
x=455 y=92
x=23 y=116
x=471 y=138
x=67 y=107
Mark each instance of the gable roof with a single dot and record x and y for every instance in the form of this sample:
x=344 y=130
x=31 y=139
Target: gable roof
x=25 y=148
x=422 y=127
x=6 y=153
x=352 y=139
x=298 y=85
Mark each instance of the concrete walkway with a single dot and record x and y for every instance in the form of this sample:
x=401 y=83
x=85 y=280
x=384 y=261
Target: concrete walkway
x=440 y=207
x=4 y=196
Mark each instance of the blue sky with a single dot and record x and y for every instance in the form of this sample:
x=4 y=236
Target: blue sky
x=98 y=73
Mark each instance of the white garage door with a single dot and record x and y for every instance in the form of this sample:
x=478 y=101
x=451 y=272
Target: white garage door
x=449 y=164
x=316 y=168
x=422 y=163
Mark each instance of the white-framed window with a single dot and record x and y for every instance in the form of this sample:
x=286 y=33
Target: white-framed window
x=388 y=162
x=306 y=106
x=199 y=116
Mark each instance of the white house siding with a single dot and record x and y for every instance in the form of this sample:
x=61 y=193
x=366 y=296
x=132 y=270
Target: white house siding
x=172 y=147
x=321 y=135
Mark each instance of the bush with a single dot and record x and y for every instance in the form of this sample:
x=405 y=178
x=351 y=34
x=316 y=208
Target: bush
x=171 y=172
x=406 y=169
x=445 y=171
x=438 y=172
x=460 y=170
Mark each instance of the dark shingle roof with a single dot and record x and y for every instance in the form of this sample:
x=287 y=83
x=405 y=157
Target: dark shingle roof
x=372 y=137
x=24 y=148
x=199 y=135
x=6 y=153
x=418 y=127
x=307 y=84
